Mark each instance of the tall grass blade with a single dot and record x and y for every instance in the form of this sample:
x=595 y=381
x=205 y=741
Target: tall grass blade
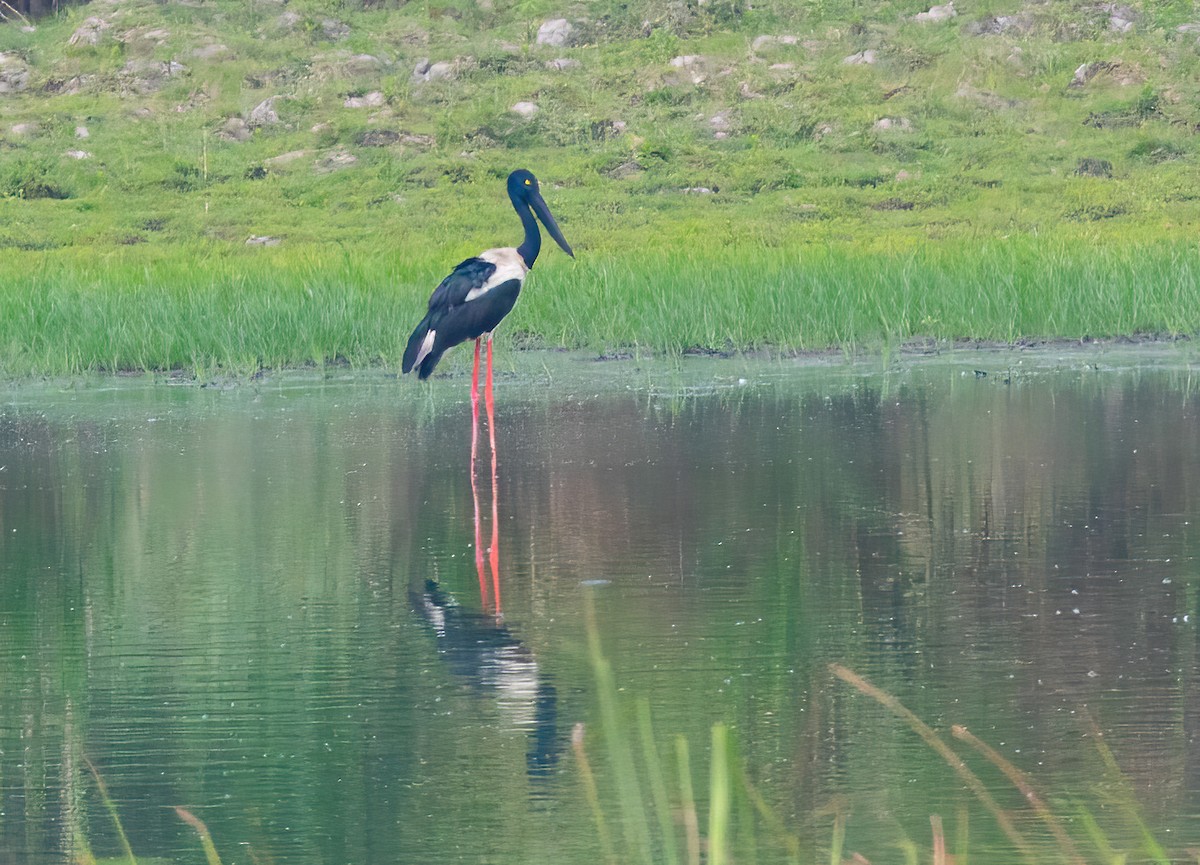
x=590 y=791
x=1128 y=799
x=790 y=841
x=1021 y=782
x=658 y=784
x=691 y=823
x=939 y=840
x=839 y=836
x=942 y=749
x=719 y=798
x=962 y=836
x=635 y=823
x=112 y=810
x=1098 y=838
x=210 y=849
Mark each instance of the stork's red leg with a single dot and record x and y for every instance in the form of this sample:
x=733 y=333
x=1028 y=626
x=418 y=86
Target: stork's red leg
x=475 y=409
x=494 y=550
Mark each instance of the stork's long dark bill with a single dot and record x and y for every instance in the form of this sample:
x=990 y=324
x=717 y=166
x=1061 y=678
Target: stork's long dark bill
x=543 y=213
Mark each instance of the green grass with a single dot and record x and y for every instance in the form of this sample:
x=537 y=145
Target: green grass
x=821 y=230
x=214 y=312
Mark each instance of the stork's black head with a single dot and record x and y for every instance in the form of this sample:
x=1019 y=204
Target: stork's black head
x=525 y=195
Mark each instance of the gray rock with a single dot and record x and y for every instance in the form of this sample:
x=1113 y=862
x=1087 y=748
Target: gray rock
x=426 y=71
x=562 y=64
x=761 y=42
x=90 y=32
x=262 y=240
x=212 y=51
x=82 y=132
x=374 y=99
x=525 y=109
x=235 y=129
x=862 y=58
x=556 y=32
x=893 y=124
x=335 y=161
x=23 y=129
x=937 y=13
x=14 y=74
x=363 y=64
x=77 y=154
x=264 y=114
x=148 y=76
x=334 y=30
x=285 y=158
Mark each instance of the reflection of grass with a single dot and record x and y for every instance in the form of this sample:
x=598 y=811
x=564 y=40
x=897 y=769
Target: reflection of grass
x=83 y=855
x=741 y=825
x=1068 y=851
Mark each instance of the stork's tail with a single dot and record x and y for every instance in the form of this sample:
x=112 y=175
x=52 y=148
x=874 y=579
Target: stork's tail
x=419 y=345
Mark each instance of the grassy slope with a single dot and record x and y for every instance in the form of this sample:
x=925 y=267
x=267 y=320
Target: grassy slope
x=823 y=229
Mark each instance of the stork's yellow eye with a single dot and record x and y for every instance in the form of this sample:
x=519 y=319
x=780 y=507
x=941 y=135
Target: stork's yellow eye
x=528 y=182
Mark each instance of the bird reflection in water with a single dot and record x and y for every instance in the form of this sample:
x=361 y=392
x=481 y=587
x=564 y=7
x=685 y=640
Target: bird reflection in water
x=478 y=646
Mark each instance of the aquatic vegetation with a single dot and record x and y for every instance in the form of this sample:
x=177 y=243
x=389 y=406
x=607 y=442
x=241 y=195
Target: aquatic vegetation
x=739 y=815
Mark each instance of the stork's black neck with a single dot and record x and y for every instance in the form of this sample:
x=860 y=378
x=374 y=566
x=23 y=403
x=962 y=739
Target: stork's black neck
x=532 y=245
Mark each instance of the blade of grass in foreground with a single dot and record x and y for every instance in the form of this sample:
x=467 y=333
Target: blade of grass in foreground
x=658 y=786
x=719 y=799
x=593 y=796
x=690 y=822
x=210 y=850
x=1021 y=782
x=933 y=741
x=112 y=810
x=1128 y=800
x=635 y=822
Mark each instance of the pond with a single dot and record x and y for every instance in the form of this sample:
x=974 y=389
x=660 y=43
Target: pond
x=683 y=617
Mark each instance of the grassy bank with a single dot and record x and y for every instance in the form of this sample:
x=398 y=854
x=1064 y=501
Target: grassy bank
x=211 y=311
x=727 y=179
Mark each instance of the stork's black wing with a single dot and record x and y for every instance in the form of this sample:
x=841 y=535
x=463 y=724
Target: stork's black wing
x=466 y=277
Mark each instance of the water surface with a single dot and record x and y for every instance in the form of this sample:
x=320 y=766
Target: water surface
x=264 y=603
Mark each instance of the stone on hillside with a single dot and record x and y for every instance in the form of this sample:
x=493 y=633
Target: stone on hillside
x=235 y=129
x=1021 y=24
x=335 y=161
x=148 y=76
x=334 y=30
x=1091 y=167
x=1188 y=28
x=426 y=71
x=374 y=99
x=212 y=51
x=285 y=158
x=562 y=64
x=264 y=114
x=14 y=74
x=23 y=129
x=289 y=20
x=556 y=33
x=82 y=132
x=893 y=124
x=90 y=32
x=761 y=42
x=863 y=58
x=77 y=154
x=525 y=109
x=262 y=240
x=720 y=124
x=937 y=13
x=362 y=64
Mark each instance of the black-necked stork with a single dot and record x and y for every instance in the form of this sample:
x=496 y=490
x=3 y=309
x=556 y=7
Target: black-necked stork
x=475 y=297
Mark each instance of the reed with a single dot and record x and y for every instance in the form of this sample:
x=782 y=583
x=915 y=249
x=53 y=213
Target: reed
x=210 y=850
x=202 y=312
